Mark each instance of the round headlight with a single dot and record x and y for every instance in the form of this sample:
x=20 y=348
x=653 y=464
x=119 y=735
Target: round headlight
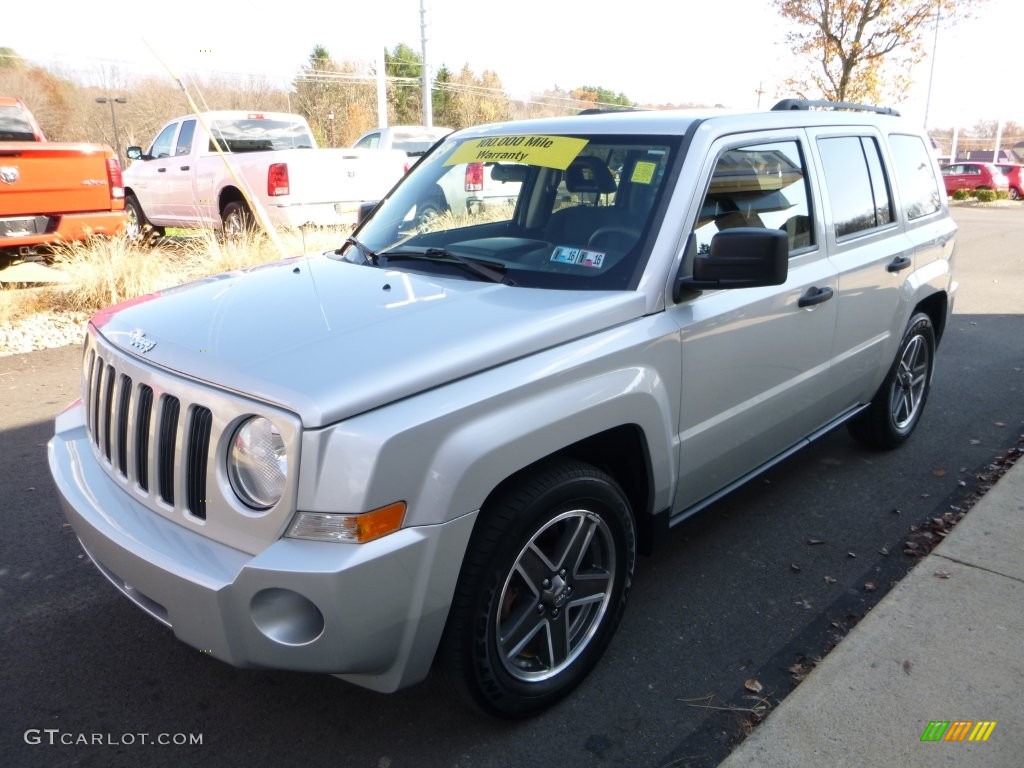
x=257 y=464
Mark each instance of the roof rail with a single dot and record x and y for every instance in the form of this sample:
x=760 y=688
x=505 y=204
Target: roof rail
x=787 y=104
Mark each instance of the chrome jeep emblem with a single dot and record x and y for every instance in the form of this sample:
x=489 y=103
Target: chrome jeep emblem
x=9 y=174
x=137 y=339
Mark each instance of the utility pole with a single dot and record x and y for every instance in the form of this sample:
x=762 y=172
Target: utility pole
x=113 y=119
x=931 y=73
x=428 y=107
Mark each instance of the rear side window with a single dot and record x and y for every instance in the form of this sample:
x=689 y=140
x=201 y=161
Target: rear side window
x=760 y=185
x=915 y=173
x=857 y=186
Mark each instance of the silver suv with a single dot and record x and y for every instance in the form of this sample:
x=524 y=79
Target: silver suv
x=447 y=441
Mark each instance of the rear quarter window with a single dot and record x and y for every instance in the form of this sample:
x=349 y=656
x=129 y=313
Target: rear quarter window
x=915 y=174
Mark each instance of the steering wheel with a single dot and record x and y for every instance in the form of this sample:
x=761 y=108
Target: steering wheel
x=617 y=233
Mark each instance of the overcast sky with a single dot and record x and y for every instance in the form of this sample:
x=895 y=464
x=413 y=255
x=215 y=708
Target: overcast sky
x=708 y=52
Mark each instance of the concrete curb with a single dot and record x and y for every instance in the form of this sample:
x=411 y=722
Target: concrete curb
x=946 y=644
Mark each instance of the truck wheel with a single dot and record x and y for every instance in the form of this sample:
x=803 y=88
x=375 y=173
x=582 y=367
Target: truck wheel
x=542 y=588
x=896 y=407
x=237 y=220
x=139 y=229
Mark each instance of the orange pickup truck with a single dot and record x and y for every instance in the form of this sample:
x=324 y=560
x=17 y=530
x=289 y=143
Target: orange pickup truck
x=52 y=192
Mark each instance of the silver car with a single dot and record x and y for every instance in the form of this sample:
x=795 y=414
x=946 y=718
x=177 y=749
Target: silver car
x=448 y=440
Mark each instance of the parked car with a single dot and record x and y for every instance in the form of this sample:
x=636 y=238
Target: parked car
x=448 y=441
x=207 y=171
x=53 y=192
x=414 y=140
x=973 y=176
x=1012 y=173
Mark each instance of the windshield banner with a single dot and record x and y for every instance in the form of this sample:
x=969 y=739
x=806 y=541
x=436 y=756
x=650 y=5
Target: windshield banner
x=546 y=151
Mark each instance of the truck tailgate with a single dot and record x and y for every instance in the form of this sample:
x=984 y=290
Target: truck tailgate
x=45 y=178
x=344 y=175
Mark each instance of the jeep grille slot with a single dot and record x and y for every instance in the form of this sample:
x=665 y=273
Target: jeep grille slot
x=198 y=452
x=170 y=407
x=143 y=419
x=123 y=404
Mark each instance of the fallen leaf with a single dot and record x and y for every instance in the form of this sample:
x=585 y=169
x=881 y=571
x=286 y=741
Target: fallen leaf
x=813 y=542
x=907 y=666
x=942 y=574
x=883 y=551
x=975 y=441
x=753 y=685
x=851 y=554
x=939 y=472
x=794 y=567
x=999 y=423
x=829 y=580
x=870 y=586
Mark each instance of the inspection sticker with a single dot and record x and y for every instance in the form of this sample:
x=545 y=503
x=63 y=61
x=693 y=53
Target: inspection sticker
x=546 y=151
x=643 y=172
x=581 y=257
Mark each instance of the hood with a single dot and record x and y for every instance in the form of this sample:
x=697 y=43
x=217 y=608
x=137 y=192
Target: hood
x=328 y=339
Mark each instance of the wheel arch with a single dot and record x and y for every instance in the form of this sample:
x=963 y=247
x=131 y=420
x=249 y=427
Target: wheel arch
x=228 y=195
x=935 y=306
x=622 y=453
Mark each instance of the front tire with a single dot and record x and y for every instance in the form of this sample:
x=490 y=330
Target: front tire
x=543 y=586
x=139 y=229
x=897 y=406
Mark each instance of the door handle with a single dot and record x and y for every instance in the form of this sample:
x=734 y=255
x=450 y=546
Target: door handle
x=161 y=170
x=898 y=264
x=814 y=295
x=185 y=167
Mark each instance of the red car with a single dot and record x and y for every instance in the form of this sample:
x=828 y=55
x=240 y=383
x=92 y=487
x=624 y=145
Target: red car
x=974 y=176
x=1012 y=173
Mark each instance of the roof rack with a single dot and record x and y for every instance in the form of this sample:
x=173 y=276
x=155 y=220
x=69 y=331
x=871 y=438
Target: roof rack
x=787 y=104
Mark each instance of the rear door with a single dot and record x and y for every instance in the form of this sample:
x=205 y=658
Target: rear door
x=755 y=360
x=869 y=250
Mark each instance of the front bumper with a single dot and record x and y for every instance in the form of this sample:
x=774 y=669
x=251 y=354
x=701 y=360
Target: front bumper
x=370 y=613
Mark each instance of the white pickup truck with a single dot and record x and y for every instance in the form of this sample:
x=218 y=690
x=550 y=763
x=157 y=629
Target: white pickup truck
x=209 y=171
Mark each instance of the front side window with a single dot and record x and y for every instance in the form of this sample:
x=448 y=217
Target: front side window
x=858 y=190
x=915 y=172
x=761 y=185
x=163 y=145
x=553 y=211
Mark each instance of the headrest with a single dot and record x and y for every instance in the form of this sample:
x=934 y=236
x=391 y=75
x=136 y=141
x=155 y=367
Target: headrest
x=589 y=174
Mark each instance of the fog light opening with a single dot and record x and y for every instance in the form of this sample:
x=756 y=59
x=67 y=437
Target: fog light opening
x=286 y=617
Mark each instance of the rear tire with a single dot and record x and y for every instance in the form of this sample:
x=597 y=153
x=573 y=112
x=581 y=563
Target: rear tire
x=543 y=586
x=897 y=406
x=237 y=220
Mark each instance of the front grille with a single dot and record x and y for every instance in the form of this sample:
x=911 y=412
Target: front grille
x=142 y=436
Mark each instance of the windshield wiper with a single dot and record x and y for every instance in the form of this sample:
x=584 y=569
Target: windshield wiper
x=495 y=273
x=369 y=255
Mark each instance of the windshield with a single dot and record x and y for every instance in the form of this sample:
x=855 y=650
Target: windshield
x=546 y=211
x=259 y=135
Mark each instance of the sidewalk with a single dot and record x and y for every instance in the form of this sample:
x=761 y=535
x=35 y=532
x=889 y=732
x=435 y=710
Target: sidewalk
x=934 y=649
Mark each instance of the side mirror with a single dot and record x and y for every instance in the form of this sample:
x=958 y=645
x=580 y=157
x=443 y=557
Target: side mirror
x=134 y=153
x=743 y=257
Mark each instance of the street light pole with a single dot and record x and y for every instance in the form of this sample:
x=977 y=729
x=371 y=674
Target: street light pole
x=113 y=119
